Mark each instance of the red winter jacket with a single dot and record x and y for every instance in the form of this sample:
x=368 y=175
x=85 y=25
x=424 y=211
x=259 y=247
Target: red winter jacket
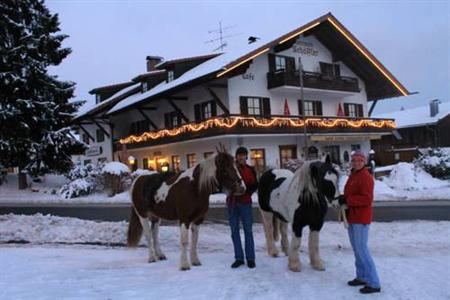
x=248 y=175
x=358 y=194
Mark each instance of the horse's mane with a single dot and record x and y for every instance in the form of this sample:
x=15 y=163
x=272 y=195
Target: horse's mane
x=207 y=179
x=302 y=184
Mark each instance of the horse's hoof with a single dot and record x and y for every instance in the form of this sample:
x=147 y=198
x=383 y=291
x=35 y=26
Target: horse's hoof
x=294 y=268
x=196 y=263
x=151 y=260
x=319 y=267
x=162 y=257
x=185 y=268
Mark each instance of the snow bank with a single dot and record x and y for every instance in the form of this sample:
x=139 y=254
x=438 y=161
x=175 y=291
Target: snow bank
x=116 y=168
x=405 y=176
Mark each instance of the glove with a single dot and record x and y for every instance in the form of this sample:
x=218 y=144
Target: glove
x=341 y=200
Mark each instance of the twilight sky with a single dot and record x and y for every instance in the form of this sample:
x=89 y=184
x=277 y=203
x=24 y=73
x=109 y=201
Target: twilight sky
x=110 y=39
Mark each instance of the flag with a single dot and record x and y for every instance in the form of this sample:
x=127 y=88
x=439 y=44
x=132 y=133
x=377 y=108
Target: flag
x=340 y=112
x=286 y=108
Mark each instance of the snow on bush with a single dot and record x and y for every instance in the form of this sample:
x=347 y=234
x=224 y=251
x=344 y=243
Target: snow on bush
x=82 y=180
x=116 y=168
x=407 y=176
x=78 y=187
x=436 y=162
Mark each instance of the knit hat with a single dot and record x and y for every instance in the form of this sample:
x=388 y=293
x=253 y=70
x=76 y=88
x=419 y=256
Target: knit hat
x=359 y=155
x=241 y=150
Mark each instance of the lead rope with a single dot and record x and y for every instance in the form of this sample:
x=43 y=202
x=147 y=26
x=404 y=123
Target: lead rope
x=342 y=216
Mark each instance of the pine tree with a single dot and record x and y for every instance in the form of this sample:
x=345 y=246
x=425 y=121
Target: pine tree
x=35 y=112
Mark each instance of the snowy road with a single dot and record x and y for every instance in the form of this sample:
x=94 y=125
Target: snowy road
x=413 y=259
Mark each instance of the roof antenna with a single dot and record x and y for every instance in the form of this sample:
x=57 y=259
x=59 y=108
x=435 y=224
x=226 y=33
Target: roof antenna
x=221 y=39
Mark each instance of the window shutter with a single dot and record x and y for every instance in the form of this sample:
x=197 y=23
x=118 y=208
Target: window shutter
x=300 y=108
x=213 y=108
x=244 y=106
x=318 y=109
x=360 y=110
x=346 y=112
x=271 y=58
x=290 y=64
x=198 y=112
x=167 y=120
x=337 y=70
x=266 y=107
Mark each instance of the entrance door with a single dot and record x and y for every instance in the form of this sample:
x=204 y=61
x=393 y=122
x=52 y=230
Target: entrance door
x=287 y=152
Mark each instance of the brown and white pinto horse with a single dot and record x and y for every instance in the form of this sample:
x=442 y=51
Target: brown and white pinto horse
x=183 y=197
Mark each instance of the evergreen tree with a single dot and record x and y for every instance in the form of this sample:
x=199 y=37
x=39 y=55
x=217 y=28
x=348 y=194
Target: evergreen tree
x=35 y=112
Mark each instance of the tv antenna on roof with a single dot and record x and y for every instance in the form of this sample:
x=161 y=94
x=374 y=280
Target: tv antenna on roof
x=221 y=39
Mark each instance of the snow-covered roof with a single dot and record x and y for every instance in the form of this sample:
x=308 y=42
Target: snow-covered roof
x=417 y=116
x=87 y=109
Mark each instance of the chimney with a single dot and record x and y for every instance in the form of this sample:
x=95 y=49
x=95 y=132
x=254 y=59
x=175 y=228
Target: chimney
x=434 y=107
x=152 y=61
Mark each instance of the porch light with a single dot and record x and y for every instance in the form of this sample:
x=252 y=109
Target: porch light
x=131 y=160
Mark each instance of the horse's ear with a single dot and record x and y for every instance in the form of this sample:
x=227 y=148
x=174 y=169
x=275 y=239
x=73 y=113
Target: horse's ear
x=328 y=159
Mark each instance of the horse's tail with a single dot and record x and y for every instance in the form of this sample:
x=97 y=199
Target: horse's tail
x=134 y=229
x=276 y=228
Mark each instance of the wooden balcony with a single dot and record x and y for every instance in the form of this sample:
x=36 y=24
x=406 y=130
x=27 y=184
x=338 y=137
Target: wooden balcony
x=312 y=80
x=237 y=124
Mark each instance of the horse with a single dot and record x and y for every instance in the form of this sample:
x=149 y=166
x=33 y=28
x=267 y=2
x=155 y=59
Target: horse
x=300 y=199
x=183 y=197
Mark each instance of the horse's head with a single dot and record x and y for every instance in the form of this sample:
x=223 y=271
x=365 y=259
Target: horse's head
x=227 y=174
x=326 y=179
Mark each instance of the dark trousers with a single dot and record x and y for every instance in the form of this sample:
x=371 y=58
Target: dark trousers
x=241 y=212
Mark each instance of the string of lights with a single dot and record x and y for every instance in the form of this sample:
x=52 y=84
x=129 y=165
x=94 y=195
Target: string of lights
x=233 y=121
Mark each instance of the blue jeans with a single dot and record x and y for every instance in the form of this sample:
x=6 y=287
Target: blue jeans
x=365 y=267
x=241 y=212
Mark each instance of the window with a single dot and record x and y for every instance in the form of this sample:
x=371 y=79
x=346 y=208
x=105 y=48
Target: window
x=329 y=70
x=86 y=139
x=313 y=152
x=255 y=106
x=98 y=98
x=312 y=108
x=170 y=76
x=355 y=147
x=205 y=110
x=280 y=63
x=353 y=110
x=100 y=136
x=144 y=86
x=258 y=159
x=176 y=163
x=333 y=151
x=172 y=119
x=287 y=153
x=207 y=154
x=139 y=126
x=191 y=160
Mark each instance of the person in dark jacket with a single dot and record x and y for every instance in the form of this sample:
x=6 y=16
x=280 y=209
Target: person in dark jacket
x=358 y=196
x=240 y=210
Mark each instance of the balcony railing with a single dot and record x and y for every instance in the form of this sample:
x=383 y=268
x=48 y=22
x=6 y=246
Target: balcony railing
x=312 y=80
x=238 y=124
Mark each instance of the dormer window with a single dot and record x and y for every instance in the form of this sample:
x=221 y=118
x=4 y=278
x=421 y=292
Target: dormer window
x=170 y=76
x=144 y=87
x=98 y=99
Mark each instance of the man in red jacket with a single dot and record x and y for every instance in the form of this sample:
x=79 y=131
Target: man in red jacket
x=240 y=209
x=358 y=195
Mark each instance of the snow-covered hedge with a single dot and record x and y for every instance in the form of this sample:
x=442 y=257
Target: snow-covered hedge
x=78 y=187
x=436 y=162
x=116 y=168
x=82 y=180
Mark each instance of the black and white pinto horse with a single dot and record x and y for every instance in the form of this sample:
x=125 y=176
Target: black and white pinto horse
x=300 y=199
x=183 y=197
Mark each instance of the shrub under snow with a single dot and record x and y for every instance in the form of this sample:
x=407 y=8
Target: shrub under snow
x=83 y=180
x=116 y=168
x=436 y=162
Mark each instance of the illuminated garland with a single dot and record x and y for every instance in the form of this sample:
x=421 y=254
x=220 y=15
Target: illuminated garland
x=230 y=122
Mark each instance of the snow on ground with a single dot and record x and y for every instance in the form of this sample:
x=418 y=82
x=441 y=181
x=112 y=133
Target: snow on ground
x=413 y=260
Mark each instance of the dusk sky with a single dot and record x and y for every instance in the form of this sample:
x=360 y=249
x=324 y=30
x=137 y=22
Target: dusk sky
x=110 y=39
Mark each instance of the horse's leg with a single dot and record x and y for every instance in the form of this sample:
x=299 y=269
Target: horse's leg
x=313 y=246
x=155 y=235
x=194 y=236
x=294 y=259
x=184 y=242
x=284 y=237
x=267 y=218
x=148 y=236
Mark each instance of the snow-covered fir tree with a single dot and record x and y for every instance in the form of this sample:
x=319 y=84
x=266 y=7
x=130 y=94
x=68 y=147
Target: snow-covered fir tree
x=35 y=111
